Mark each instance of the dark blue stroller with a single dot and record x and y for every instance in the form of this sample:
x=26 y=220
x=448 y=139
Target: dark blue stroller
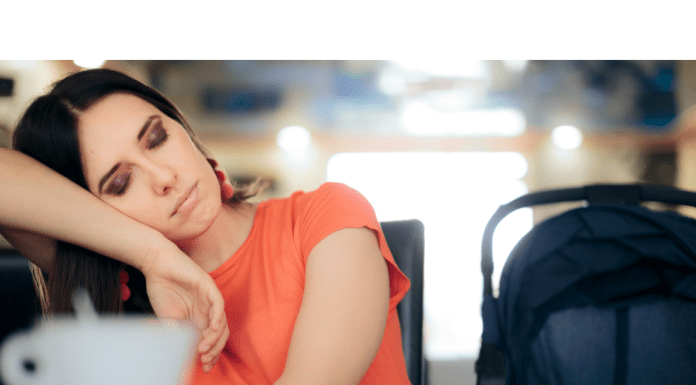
x=602 y=294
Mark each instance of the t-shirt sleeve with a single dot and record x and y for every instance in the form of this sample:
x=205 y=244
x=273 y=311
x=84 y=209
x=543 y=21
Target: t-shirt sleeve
x=335 y=206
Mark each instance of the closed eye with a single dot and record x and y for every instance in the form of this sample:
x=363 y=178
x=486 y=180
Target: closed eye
x=154 y=134
x=157 y=135
x=118 y=184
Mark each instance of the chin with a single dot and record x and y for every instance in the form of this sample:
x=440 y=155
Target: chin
x=200 y=221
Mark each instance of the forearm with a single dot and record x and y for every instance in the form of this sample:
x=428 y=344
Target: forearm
x=35 y=198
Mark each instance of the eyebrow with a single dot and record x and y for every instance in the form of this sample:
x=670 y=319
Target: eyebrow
x=141 y=133
x=107 y=176
x=147 y=124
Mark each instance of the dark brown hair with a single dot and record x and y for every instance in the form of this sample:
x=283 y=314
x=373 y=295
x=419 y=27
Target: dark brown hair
x=48 y=133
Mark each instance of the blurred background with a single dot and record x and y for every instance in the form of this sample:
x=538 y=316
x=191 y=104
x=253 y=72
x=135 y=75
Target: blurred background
x=445 y=142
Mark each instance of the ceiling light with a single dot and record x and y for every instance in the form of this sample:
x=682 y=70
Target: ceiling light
x=293 y=138
x=567 y=137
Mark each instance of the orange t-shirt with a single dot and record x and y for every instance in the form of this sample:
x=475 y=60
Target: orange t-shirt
x=263 y=284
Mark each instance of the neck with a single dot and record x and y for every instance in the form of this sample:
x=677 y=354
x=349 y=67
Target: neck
x=222 y=239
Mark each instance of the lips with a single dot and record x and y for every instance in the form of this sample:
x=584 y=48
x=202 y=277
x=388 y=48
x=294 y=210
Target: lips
x=186 y=199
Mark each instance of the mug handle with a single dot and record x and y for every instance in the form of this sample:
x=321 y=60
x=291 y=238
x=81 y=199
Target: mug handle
x=24 y=361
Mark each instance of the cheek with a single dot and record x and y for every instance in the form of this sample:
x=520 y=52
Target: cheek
x=142 y=208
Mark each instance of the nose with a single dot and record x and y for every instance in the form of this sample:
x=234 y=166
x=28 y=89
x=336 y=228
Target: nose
x=163 y=178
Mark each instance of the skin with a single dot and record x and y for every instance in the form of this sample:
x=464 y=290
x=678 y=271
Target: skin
x=40 y=206
x=343 y=313
x=157 y=171
x=344 y=308
x=176 y=286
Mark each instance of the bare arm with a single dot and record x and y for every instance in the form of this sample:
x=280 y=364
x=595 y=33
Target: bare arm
x=38 y=205
x=343 y=314
x=36 y=200
x=38 y=249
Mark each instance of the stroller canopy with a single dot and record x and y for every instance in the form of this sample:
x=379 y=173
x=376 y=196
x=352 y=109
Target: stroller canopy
x=608 y=260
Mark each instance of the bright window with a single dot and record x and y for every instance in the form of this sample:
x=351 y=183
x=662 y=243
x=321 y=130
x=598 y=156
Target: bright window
x=454 y=195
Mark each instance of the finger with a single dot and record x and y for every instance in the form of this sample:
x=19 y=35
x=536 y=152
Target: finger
x=201 y=313
x=216 y=350
x=216 y=341
x=207 y=339
x=216 y=345
x=211 y=337
x=213 y=362
x=214 y=321
x=217 y=311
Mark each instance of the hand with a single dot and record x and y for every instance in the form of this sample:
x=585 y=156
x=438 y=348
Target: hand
x=179 y=289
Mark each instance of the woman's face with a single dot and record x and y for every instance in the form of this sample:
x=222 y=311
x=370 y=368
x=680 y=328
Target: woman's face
x=145 y=165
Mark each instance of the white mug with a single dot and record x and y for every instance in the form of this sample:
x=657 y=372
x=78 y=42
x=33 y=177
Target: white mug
x=92 y=350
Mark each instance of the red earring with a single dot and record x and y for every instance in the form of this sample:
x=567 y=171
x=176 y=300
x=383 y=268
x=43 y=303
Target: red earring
x=125 y=290
x=226 y=189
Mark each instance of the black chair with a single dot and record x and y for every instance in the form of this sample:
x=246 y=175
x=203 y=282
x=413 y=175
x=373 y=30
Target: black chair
x=18 y=301
x=406 y=242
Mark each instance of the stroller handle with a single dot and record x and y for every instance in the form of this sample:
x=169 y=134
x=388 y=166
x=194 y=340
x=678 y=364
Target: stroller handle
x=597 y=193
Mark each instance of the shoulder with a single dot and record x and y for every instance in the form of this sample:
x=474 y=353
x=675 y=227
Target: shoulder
x=336 y=202
x=330 y=190
x=334 y=196
x=331 y=207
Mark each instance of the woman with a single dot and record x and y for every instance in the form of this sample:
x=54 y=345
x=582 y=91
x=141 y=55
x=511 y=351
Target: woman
x=309 y=285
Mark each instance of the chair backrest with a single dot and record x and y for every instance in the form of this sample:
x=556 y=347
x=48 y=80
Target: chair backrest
x=406 y=242
x=18 y=300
